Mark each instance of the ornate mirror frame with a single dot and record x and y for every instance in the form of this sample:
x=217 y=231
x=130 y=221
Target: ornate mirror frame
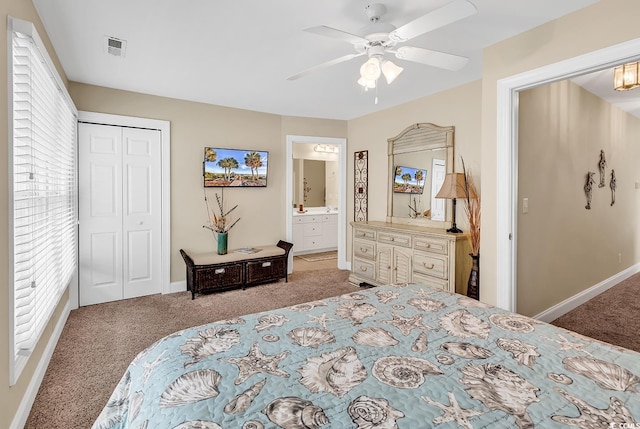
x=419 y=138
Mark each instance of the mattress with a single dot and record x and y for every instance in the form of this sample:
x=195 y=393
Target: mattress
x=396 y=356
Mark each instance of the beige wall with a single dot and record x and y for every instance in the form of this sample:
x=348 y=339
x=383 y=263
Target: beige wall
x=194 y=126
x=459 y=107
x=10 y=397
x=603 y=24
x=563 y=248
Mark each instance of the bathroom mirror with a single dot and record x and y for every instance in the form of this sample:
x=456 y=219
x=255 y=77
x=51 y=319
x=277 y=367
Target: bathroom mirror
x=315 y=176
x=419 y=158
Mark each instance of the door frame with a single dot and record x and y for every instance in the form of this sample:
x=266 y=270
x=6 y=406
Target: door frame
x=165 y=140
x=342 y=191
x=507 y=151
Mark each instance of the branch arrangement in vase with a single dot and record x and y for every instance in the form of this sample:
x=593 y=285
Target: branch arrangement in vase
x=219 y=222
x=472 y=209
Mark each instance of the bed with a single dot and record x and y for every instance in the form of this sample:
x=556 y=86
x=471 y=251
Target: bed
x=396 y=356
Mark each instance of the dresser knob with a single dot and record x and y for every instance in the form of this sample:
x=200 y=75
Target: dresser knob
x=364 y=250
x=428 y=267
x=363 y=269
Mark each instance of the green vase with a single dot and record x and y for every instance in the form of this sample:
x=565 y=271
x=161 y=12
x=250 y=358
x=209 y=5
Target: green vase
x=222 y=243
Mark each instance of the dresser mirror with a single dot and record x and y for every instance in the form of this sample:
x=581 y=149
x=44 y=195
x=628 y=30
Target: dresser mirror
x=419 y=158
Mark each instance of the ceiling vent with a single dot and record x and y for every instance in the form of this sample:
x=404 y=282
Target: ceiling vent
x=115 y=46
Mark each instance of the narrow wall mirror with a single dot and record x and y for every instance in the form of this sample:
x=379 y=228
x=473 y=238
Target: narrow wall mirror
x=419 y=158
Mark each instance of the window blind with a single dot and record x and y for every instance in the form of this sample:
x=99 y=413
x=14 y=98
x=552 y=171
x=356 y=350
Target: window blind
x=43 y=188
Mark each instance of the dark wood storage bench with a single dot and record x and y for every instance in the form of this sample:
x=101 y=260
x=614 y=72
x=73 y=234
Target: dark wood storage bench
x=207 y=272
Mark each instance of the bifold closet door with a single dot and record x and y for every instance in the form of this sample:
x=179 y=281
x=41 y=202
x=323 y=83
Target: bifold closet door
x=119 y=207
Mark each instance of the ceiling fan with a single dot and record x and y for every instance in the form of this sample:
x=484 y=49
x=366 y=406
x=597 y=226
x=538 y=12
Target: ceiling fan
x=380 y=38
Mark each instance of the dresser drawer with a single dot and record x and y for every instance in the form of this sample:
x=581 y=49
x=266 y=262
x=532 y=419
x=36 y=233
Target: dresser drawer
x=364 y=269
x=312 y=229
x=430 y=281
x=364 y=249
x=366 y=234
x=312 y=219
x=395 y=239
x=298 y=220
x=436 y=266
x=431 y=244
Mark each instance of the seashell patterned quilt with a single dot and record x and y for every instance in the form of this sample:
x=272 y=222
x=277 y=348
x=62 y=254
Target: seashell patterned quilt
x=398 y=356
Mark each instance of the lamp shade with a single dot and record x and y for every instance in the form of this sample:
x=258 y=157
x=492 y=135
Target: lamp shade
x=370 y=70
x=453 y=186
x=390 y=71
x=626 y=77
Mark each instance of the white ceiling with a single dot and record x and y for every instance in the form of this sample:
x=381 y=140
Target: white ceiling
x=600 y=83
x=239 y=53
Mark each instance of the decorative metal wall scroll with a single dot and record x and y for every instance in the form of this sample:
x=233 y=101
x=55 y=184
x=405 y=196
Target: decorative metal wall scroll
x=361 y=185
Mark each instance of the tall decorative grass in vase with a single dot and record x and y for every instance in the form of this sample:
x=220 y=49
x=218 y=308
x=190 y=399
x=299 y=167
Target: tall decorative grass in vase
x=472 y=209
x=220 y=223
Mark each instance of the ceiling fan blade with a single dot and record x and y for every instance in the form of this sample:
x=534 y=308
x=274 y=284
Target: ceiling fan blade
x=323 y=30
x=431 y=58
x=451 y=12
x=324 y=65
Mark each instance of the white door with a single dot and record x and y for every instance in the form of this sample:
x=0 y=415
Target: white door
x=119 y=212
x=438 y=173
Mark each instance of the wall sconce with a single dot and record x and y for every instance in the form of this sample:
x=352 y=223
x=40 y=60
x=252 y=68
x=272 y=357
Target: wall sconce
x=626 y=77
x=452 y=188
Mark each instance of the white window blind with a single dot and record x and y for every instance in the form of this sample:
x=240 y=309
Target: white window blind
x=42 y=165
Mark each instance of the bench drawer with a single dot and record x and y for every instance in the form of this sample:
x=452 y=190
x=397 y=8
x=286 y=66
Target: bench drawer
x=210 y=278
x=270 y=270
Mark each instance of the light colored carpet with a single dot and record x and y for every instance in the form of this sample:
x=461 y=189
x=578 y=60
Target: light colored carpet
x=322 y=256
x=99 y=341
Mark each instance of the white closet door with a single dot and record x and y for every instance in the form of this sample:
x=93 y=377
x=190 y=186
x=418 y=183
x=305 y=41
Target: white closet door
x=119 y=211
x=141 y=212
x=100 y=213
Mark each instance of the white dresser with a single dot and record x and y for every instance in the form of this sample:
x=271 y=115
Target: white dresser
x=384 y=253
x=314 y=232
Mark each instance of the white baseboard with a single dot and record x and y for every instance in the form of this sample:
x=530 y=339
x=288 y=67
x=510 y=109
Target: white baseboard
x=22 y=413
x=569 y=304
x=180 y=286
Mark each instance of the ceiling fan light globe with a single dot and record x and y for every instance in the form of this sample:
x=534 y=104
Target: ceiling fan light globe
x=366 y=84
x=390 y=71
x=370 y=70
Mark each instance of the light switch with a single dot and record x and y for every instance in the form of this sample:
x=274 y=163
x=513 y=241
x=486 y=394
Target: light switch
x=525 y=205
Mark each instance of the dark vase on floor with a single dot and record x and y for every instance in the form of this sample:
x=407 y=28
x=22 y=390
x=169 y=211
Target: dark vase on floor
x=473 y=285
